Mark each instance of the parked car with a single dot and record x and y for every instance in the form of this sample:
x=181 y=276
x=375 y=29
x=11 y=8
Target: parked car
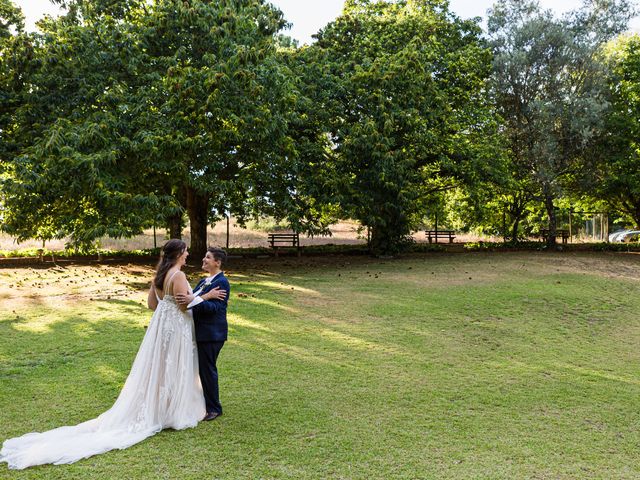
x=631 y=236
x=625 y=236
x=613 y=237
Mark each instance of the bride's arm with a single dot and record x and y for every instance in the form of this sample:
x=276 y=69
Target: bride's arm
x=152 y=300
x=180 y=287
x=214 y=294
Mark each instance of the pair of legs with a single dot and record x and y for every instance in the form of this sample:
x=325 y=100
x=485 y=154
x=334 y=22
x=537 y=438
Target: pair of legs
x=207 y=356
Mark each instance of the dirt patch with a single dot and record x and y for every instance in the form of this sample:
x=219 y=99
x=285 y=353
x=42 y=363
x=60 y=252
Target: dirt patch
x=75 y=283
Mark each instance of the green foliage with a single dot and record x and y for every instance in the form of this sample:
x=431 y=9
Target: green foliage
x=266 y=224
x=549 y=83
x=74 y=172
x=123 y=114
x=141 y=112
x=617 y=247
x=11 y=20
x=497 y=246
x=15 y=53
x=617 y=162
x=403 y=84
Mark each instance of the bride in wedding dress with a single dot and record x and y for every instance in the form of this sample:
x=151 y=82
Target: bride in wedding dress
x=162 y=390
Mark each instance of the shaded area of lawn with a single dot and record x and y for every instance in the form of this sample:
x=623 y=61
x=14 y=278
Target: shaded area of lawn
x=443 y=366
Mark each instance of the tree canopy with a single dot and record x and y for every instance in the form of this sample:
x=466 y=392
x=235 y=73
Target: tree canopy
x=550 y=84
x=123 y=114
x=405 y=85
x=140 y=111
x=617 y=163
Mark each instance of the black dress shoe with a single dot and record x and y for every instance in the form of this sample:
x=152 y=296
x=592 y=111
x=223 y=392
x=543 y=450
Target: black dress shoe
x=211 y=416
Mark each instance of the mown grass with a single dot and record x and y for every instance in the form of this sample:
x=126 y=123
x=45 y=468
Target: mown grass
x=471 y=366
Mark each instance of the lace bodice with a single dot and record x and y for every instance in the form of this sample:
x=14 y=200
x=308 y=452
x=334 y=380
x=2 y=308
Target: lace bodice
x=168 y=297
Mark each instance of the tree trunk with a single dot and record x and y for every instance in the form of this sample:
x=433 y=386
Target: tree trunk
x=374 y=234
x=515 y=228
x=636 y=216
x=175 y=225
x=551 y=213
x=385 y=241
x=198 y=209
x=379 y=244
x=516 y=211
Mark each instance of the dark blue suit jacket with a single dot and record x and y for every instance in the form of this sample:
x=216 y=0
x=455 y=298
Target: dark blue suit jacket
x=210 y=316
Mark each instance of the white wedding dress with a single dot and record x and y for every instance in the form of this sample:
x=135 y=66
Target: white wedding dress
x=163 y=390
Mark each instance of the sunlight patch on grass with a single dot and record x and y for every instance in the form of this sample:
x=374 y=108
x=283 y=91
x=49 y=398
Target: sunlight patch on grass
x=235 y=319
x=108 y=374
x=306 y=355
x=590 y=372
x=560 y=368
x=355 y=342
x=271 y=304
x=42 y=324
x=236 y=276
x=289 y=287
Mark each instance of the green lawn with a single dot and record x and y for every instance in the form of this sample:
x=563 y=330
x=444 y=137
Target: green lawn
x=469 y=366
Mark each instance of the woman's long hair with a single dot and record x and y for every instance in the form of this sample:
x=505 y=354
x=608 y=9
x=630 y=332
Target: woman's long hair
x=169 y=255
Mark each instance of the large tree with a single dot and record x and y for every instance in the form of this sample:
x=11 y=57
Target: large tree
x=404 y=83
x=549 y=82
x=222 y=105
x=617 y=162
x=74 y=172
x=14 y=59
x=151 y=109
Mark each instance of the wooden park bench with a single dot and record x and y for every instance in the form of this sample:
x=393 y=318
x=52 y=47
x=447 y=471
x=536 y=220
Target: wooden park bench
x=564 y=234
x=277 y=240
x=434 y=235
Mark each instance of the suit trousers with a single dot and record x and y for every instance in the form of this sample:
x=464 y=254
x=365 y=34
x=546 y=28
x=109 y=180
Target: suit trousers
x=207 y=357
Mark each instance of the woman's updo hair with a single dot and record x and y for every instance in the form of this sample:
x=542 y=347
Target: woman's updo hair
x=169 y=254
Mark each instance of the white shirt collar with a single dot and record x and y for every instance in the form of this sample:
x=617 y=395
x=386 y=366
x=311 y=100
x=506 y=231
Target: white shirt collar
x=210 y=279
x=207 y=281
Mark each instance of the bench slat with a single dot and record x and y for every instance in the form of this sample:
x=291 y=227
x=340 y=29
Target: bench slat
x=436 y=234
x=562 y=233
x=284 y=239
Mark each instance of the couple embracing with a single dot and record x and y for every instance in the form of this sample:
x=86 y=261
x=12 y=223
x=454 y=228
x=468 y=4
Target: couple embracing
x=172 y=383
